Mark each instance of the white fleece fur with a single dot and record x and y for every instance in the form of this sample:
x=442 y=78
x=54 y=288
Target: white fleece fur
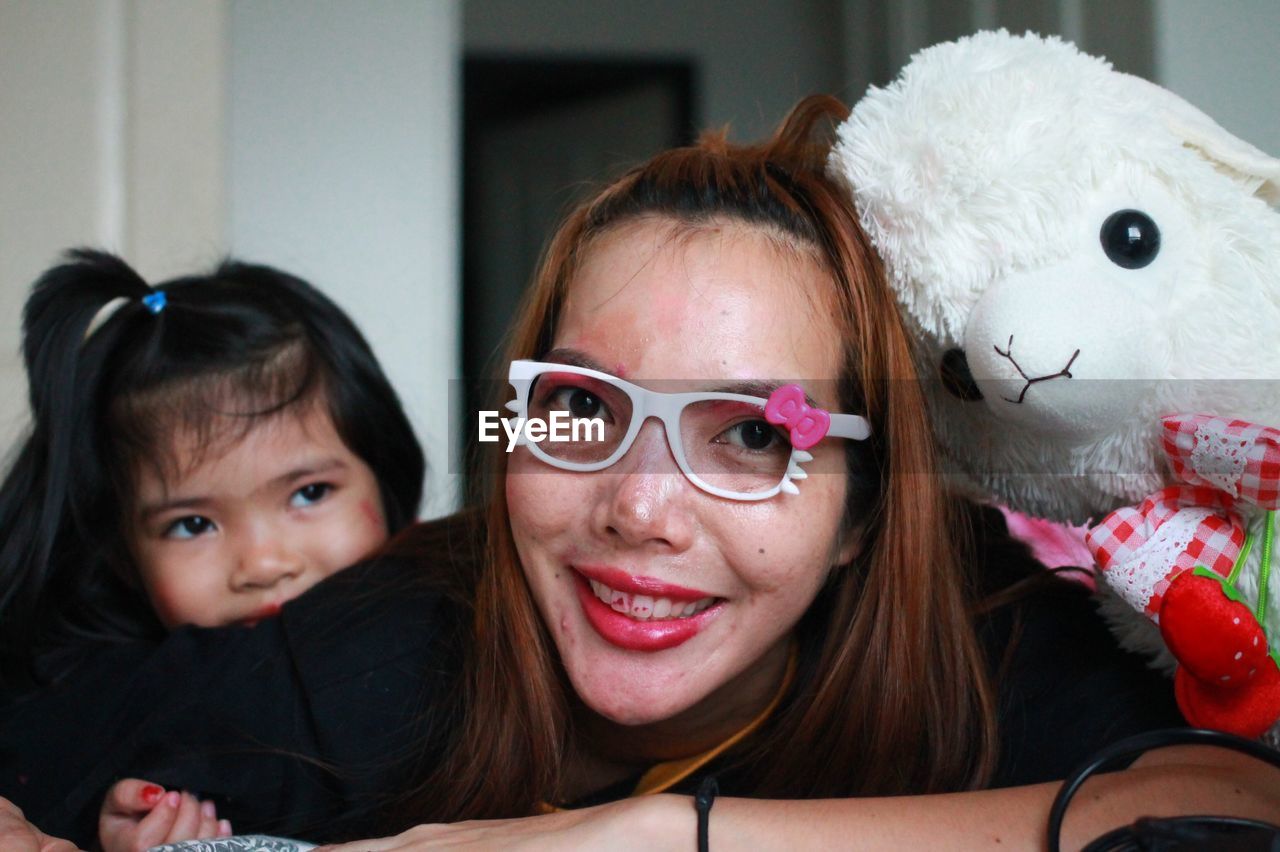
x=983 y=176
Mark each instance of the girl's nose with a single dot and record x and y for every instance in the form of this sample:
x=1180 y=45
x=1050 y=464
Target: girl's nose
x=266 y=563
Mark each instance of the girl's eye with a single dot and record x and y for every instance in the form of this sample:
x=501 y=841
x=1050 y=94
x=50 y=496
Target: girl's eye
x=754 y=435
x=191 y=526
x=310 y=494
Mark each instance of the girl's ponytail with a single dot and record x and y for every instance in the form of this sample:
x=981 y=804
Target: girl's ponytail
x=46 y=523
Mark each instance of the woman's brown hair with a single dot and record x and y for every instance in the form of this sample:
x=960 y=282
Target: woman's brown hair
x=891 y=694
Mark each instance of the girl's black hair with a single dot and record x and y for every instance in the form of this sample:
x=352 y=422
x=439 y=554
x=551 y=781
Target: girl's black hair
x=110 y=380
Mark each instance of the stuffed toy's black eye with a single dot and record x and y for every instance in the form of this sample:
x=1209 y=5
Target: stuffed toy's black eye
x=1130 y=238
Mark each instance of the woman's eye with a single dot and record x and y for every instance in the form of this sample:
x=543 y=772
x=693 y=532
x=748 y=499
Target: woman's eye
x=755 y=435
x=191 y=526
x=579 y=402
x=310 y=494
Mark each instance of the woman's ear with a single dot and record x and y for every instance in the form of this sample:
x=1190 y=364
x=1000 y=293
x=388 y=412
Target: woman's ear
x=849 y=546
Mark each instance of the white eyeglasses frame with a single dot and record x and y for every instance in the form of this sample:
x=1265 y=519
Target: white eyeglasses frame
x=666 y=407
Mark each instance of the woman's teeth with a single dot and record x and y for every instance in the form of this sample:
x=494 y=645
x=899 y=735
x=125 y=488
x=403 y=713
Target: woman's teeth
x=646 y=608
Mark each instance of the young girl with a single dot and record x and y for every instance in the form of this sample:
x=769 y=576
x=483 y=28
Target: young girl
x=200 y=452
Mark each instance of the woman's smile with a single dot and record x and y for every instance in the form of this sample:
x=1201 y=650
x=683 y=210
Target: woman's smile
x=640 y=613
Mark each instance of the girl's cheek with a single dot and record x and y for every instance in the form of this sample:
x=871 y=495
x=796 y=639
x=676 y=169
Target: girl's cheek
x=167 y=605
x=372 y=514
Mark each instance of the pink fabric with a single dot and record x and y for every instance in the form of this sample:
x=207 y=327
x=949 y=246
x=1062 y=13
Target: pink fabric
x=1054 y=545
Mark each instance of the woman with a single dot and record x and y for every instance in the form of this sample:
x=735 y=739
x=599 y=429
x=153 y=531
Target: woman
x=721 y=583
x=836 y=632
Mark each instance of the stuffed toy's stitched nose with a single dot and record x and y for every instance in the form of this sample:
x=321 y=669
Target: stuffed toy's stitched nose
x=956 y=377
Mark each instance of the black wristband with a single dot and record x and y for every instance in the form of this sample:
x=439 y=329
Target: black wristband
x=703 y=800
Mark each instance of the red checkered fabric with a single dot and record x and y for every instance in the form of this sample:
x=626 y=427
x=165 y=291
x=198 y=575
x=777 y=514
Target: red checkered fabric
x=1235 y=456
x=1140 y=550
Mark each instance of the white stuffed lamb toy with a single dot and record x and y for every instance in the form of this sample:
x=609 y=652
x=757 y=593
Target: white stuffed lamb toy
x=1093 y=267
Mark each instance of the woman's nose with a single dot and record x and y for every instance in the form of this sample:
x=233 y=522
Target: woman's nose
x=645 y=503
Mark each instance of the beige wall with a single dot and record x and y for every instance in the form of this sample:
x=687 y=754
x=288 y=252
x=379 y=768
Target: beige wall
x=307 y=133
x=1224 y=58
x=343 y=122
x=111 y=134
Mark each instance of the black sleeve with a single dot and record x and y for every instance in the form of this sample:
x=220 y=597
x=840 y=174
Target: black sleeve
x=1064 y=686
x=298 y=726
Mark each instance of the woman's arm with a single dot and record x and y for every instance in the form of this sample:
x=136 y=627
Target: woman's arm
x=1188 y=780
x=18 y=835
x=1173 y=782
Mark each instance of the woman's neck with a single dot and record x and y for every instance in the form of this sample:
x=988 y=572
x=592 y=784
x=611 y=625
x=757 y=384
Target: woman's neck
x=605 y=752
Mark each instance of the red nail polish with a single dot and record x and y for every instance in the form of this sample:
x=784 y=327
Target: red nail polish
x=151 y=793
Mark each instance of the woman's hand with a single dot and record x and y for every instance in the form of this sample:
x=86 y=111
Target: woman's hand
x=137 y=815
x=18 y=835
x=646 y=823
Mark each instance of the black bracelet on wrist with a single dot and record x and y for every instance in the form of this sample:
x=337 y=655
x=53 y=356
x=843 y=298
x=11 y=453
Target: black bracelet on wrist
x=702 y=801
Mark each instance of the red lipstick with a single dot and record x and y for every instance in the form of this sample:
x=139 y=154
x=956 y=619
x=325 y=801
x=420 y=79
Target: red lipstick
x=632 y=635
x=616 y=578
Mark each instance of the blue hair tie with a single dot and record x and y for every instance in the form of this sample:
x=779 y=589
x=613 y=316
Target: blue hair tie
x=155 y=301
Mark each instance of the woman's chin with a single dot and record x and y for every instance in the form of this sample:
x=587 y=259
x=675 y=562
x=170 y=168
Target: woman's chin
x=629 y=688
x=632 y=707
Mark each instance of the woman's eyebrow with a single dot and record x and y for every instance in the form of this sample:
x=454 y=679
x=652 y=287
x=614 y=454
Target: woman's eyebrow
x=758 y=388
x=746 y=387
x=574 y=358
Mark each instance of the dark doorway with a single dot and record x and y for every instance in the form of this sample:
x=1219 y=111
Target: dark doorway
x=538 y=134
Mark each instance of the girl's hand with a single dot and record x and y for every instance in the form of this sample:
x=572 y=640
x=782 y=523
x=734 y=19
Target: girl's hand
x=137 y=815
x=647 y=823
x=18 y=835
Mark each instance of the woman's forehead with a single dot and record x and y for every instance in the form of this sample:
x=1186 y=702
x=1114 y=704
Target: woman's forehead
x=724 y=300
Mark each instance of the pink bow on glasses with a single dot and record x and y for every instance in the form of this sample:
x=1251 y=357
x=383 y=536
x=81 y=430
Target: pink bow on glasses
x=807 y=425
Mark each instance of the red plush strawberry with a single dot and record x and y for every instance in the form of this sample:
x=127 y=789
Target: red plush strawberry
x=1225 y=679
x=1247 y=711
x=1211 y=631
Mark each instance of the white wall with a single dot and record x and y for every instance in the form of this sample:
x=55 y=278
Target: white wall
x=110 y=135
x=342 y=166
x=319 y=136
x=1225 y=59
x=756 y=57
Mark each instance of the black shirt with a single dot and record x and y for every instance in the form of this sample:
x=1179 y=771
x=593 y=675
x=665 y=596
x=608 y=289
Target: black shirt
x=300 y=725
x=307 y=725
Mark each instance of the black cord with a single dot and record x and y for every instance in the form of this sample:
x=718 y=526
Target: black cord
x=703 y=800
x=1126 y=751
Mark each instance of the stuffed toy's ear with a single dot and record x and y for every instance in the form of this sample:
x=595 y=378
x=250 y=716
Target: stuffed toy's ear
x=1201 y=132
